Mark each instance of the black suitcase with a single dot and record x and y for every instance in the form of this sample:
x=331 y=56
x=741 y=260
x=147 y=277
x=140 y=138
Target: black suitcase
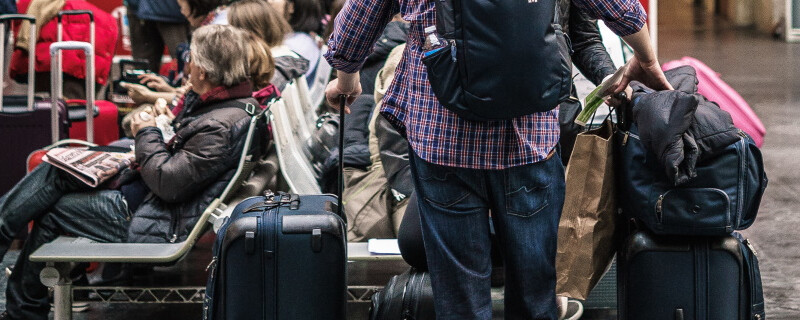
x=26 y=123
x=279 y=257
x=406 y=296
x=689 y=278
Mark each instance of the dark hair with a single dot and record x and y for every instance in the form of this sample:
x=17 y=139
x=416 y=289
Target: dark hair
x=201 y=8
x=335 y=7
x=307 y=16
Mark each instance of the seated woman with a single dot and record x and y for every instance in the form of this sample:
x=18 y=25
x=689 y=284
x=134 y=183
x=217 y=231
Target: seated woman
x=181 y=176
x=262 y=19
x=305 y=17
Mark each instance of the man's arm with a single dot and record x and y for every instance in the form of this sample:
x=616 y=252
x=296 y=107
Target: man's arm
x=628 y=20
x=356 y=29
x=590 y=55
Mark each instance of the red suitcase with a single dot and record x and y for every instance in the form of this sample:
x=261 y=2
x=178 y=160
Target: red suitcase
x=26 y=123
x=106 y=126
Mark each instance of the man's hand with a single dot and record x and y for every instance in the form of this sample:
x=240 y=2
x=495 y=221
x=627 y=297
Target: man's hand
x=648 y=73
x=139 y=93
x=644 y=66
x=616 y=102
x=348 y=84
x=144 y=119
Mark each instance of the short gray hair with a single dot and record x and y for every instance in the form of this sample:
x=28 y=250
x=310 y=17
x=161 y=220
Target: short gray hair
x=220 y=51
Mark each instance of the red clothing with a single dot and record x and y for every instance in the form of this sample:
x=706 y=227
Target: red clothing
x=76 y=28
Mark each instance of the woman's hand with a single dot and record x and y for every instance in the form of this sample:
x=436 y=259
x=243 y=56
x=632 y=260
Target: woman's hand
x=162 y=109
x=139 y=93
x=144 y=119
x=155 y=82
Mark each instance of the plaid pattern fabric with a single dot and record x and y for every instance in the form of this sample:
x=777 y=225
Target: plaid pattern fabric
x=436 y=134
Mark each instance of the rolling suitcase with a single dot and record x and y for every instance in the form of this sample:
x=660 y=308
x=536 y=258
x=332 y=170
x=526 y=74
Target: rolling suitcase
x=689 y=278
x=715 y=89
x=280 y=257
x=27 y=123
x=105 y=126
x=406 y=296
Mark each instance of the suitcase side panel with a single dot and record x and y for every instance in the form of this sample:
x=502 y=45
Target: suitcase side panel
x=311 y=279
x=661 y=277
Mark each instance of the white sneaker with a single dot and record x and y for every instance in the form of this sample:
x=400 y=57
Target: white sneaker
x=569 y=309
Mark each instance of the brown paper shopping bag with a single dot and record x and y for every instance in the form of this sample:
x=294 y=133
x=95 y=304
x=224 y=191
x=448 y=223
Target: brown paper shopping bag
x=586 y=229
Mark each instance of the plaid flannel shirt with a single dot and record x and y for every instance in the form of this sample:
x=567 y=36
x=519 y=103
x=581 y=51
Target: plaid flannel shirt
x=436 y=134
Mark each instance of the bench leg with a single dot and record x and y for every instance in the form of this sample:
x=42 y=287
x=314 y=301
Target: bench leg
x=57 y=277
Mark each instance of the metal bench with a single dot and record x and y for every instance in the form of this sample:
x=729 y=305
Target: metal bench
x=63 y=253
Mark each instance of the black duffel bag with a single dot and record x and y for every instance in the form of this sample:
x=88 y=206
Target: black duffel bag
x=723 y=197
x=406 y=296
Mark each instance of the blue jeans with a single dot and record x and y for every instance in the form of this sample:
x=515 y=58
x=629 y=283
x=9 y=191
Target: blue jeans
x=525 y=206
x=58 y=204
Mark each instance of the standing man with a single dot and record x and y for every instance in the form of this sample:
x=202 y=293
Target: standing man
x=153 y=25
x=466 y=171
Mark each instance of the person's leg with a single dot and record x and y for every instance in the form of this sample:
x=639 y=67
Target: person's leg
x=409 y=237
x=173 y=34
x=455 y=229
x=146 y=42
x=527 y=202
x=30 y=198
x=97 y=215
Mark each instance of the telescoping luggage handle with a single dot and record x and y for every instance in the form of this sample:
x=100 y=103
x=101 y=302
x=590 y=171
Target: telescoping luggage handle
x=60 y=32
x=56 y=83
x=340 y=189
x=31 y=52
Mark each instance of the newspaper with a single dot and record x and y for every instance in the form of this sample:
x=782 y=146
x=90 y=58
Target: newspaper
x=91 y=167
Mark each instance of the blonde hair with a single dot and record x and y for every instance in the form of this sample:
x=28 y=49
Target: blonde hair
x=262 y=66
x=220 y=51
x=259 y=17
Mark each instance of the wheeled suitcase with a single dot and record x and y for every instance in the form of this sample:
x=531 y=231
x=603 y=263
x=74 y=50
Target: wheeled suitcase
x=105 y=126
x=715 y=89
x=689 y=278
x=27 y=123
x=406 y=296
x=280 y=257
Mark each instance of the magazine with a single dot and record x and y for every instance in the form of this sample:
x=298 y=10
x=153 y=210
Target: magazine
x=91 y=167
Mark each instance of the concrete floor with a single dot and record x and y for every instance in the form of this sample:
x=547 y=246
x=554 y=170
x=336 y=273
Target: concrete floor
x=767 y=74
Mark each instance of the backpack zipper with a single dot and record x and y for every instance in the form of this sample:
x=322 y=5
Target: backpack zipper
x=660 y=208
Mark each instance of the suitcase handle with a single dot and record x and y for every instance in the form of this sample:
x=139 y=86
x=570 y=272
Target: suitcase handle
x=90 y=76
x=340 y=189
x=56 y=83
x=31 y=53
x=61 y=14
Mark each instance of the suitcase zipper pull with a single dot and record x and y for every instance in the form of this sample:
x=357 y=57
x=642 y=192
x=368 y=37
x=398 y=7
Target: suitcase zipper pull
x=659 y=208
x=625 y=138
x=453 y=50
x=750 y=246
x=212 y=263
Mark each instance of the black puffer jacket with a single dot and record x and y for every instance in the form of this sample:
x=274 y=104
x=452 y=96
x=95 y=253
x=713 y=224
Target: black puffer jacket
x=591 y=58
x=681 y=127
x=186 y=174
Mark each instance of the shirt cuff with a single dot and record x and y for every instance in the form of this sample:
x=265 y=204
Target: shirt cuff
x=341 y=64
x=630 y=21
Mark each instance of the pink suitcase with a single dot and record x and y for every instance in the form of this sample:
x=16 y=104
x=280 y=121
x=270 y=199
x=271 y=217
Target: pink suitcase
x=712 y=87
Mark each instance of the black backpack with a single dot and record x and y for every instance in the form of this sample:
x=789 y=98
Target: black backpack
x=505 y=59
